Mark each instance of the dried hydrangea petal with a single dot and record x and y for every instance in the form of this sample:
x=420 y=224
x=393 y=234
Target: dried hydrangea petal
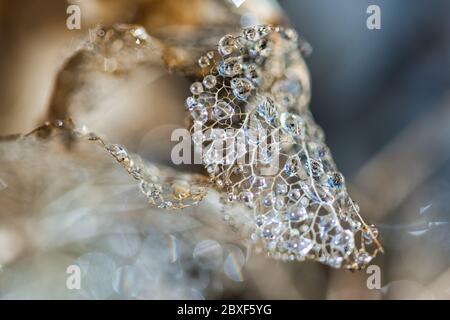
x=279 y=164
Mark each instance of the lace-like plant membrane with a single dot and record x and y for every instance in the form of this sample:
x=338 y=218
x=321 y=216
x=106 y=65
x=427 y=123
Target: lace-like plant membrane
x=261 y=145
x=163 y=187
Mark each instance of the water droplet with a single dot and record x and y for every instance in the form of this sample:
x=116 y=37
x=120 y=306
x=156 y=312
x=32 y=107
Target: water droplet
x=250 y=34
x=203 y=62
x=227 y=44
x=334 y=262
x=335 y=180
x=304 y=246
x=246 y=197
x=199 y=114
x=343 y=241
x=326 y=224
x=209 y=81
x=267 y=233
x=149 y=189
x=268 y=200
x=285 y=91
x=292 y=166
x=212 y=155
x=230 y=67
x=252 y=73
x=241 y=87
x=315 y=166
x=191 y=103
x=282 y=188
x=292 y=124
x=363 y=259
x=264 y=30
x=259 y=182
x=222 y=110
x=196 y=88
x=297 y=214
x=294 y=195
x=289 y=34
x=119 y=152
x=260 y=48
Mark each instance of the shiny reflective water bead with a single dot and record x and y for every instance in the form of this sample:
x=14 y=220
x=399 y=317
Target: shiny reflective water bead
x=199 y=114
x=230 y=67
x=209 y=81
x=196 y=88
x=222 y=110
x=203 y=62
x=227 y=44
x=241 y=87
x=292 y=124
x=250 y=34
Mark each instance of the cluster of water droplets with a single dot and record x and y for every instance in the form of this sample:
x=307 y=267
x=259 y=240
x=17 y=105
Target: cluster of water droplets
x=261 y=145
